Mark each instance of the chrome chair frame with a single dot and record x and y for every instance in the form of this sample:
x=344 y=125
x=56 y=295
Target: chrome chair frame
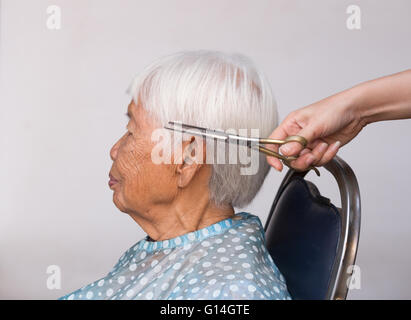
x=350 y=213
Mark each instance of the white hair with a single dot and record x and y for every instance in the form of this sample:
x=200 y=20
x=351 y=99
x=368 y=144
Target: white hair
x=216 y=90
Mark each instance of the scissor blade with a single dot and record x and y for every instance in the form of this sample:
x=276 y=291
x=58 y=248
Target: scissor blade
x=212 y=133
x=198 y=131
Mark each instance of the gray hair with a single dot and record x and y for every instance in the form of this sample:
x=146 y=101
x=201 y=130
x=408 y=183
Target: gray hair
x=214 y=90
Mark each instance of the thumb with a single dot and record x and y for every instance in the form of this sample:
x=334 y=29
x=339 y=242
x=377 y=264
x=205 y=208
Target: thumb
x=280 y=134
x=294 y=148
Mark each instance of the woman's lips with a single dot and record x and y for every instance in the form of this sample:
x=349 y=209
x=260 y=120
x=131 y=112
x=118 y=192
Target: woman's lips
x=112 y=181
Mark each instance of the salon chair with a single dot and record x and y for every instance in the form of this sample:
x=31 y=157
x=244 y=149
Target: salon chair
x=313 y=242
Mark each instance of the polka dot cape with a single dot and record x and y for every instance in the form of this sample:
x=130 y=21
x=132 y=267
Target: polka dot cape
x=226 y=260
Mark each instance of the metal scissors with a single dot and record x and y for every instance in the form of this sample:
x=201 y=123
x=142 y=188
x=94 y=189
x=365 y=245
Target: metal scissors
x=251 y=142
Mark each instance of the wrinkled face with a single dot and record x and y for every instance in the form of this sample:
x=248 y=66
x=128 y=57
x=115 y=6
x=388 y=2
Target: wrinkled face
x=141 y=184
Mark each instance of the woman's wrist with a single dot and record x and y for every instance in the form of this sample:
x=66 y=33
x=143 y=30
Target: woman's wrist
x=363 y=104
x=355 y=104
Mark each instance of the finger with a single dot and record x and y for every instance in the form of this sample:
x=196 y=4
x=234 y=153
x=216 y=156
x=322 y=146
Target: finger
x=319 y=151
x=291 y=148
x=294 y=148
x=275 y=163
x=310 y=147
x=306 y=150
x=310 y=158
x=303 y=162
x=330 y=153
x=315 y=143
x=280 y=134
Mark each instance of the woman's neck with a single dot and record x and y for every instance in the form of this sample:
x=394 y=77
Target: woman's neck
x=181 y=217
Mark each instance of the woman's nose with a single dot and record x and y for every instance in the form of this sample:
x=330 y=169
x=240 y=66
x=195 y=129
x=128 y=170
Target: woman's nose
x=117 y=145
x=113 y=151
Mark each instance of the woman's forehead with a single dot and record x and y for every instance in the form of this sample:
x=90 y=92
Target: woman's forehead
x=139 y=115
x=134 y=111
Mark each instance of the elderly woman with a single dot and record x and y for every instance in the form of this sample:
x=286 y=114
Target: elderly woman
x=196 y=246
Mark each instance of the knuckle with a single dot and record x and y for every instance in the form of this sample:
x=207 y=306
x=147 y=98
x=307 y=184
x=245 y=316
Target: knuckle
x=299 y=165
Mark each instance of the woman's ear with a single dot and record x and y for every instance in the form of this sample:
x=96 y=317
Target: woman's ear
x=193 y=158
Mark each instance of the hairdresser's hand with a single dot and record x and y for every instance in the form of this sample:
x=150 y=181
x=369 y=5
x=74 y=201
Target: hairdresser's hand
x=336 y=120
x=327 y=125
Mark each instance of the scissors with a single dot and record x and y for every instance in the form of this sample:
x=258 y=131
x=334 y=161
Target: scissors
x=251 y=142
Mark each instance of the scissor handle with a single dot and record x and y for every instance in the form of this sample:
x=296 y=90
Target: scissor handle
x=286 y=160
x=298 y=139
x=287 y=163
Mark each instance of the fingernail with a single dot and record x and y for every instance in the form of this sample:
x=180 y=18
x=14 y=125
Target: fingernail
x=273 y=164
x=323 y=146
x=337 y=144
x=285 y=149
x=309 y=160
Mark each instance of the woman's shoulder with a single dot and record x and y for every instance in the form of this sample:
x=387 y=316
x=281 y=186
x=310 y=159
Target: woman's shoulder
x=234 y=264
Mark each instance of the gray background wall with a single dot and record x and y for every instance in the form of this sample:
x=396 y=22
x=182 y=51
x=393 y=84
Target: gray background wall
x=63 y=102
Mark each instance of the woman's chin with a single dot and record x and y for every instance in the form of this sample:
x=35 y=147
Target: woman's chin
x=116 y=201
